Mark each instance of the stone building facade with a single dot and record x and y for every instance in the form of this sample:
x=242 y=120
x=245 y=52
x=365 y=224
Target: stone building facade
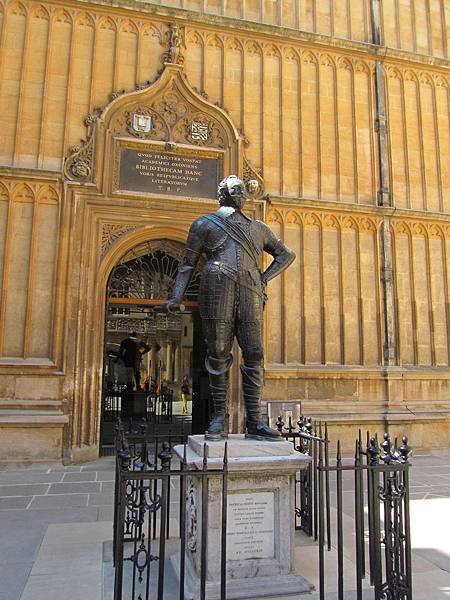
x=340 y=110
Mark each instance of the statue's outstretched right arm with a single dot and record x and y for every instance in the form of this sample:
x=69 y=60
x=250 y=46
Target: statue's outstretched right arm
x=189 y=260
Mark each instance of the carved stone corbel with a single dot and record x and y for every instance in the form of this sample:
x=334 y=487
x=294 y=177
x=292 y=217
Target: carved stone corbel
x=254 y=183
x=78 y=165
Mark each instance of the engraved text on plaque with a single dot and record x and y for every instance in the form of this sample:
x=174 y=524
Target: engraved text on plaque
x=250 y=526
x=158 y=172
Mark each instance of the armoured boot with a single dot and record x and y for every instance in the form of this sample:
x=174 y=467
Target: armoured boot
x=218 y=384
x=252 y=383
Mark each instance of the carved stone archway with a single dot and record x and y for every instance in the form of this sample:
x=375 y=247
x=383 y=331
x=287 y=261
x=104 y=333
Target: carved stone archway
x=104 y=219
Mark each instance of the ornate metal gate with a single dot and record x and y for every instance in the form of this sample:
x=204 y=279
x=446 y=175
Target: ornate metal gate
x=137 y=287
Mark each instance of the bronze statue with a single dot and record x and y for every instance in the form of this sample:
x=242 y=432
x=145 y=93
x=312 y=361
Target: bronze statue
x=232 y=296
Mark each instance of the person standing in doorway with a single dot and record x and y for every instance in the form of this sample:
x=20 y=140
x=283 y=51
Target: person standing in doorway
x=185 y=393
x=130 y=352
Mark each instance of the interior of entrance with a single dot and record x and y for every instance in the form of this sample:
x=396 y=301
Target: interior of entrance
x=163 y=380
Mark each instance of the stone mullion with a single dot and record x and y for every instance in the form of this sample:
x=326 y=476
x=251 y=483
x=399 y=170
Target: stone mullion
x=300 y=121
x=55 y=323
x=202 y=63
x=372 y=112
x=341 y=297
x=323 y=356
x=222 y=75
x=116 y=59
x=413 y=299
x=319 y=145
x=397 y=24
x=262 y=110
x=360 y=298
x=3 y=31
x=348 y=19
x=31 y=278
x=430 y=301
x=280 y=120
x=21 y=98
x=446 y=291
x=405 y=142
x=331 y=8
x=354 y=140
x=44 y=111
x=336 y=132
x=421 y=143
x=443 y=29
x=93 y=69
x=429 y=30
x=68 y=99
x=379 y=291
x=437 y=144
x=283 y=312
x=6 y=265
x=396 y=299
x=137 y=66
x=413 y=27
x=242 y=90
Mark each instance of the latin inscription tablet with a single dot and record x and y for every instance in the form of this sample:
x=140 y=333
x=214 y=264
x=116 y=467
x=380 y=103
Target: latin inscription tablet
x=250 y=526
x=157 y=172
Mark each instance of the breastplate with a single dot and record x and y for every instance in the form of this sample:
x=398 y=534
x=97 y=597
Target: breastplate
x=222 y=248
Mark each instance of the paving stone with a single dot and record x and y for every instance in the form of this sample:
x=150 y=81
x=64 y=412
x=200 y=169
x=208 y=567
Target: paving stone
x=106 y=475
x=107 y=487
x=105 y=513
x=20 y=537
x=82 y=476
x=66 y=558
x=29 y=477
x=13 y=580
x=100 y=499
x=75 y=488
x=59 y=501
x=80 y=586
x=15 y=502
x=23 y=490
x=101 y=464
x=63 y=514
x=75 y=533
x=68 y=469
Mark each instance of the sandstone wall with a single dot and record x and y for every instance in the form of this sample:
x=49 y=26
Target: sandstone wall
x=297 y=79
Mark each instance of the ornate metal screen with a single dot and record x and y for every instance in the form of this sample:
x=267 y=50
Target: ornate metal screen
x=148 y=271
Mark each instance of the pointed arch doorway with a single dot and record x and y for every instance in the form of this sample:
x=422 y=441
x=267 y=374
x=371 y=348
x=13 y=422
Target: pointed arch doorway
x=137 y=287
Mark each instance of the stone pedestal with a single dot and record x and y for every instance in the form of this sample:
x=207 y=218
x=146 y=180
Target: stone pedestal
x=260 y=518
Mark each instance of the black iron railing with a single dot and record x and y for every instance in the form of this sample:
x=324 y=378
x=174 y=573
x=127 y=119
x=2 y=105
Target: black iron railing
x=119 y=402
x=381 y=485
x=377 y=521
x=308 y=436
x=146 y=472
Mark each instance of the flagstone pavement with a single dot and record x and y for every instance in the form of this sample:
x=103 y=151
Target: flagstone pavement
x=54 y=522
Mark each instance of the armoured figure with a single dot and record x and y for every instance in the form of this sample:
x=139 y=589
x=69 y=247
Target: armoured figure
x=231 y=299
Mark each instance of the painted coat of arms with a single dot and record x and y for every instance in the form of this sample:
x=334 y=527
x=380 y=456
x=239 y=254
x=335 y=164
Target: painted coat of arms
x=142 y=123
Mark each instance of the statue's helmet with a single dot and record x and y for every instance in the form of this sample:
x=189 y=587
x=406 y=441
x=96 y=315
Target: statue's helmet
x=231 y=191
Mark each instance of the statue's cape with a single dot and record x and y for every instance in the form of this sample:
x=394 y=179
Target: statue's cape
x=237 y=234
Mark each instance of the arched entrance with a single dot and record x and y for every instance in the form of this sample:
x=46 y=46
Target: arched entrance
x=169 y=347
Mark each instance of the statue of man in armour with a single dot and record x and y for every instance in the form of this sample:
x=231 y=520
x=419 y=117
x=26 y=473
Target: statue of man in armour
x=231 y=299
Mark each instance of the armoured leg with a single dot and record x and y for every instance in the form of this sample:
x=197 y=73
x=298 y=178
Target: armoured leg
x=249 y=337
x=219 y=338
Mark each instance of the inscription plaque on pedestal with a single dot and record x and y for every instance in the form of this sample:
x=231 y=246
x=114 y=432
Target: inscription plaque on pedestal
x=155 y=171
x=250 y=526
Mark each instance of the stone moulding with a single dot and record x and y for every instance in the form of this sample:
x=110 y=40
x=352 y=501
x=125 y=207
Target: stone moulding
x=111 y=232
x=167 y=110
